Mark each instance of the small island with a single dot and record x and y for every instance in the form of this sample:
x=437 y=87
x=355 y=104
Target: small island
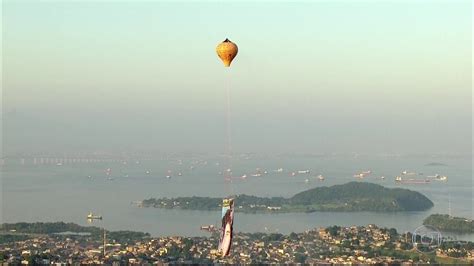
x=352 y=196
x=448 y=223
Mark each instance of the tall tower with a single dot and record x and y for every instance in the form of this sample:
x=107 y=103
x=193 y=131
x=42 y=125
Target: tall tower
x=449 y=206
x=105 y=242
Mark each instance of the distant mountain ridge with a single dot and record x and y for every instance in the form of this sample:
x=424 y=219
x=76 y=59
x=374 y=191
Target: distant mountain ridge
x=352 y=196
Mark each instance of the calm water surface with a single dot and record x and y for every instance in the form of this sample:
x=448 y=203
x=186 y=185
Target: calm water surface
x=66 y=193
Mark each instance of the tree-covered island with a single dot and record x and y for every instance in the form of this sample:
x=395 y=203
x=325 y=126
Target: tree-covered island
x=20 y=231
x=448 y=223
x=352 y=196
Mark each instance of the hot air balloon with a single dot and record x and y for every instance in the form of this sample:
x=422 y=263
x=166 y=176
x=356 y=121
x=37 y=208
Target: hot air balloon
x=227 y=51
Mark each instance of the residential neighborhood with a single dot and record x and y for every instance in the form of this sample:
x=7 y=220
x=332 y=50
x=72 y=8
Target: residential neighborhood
x=332 y=245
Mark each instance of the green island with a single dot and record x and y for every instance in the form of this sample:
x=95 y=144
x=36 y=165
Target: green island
x=21 y=231
x=352 y=196
x=448 y=223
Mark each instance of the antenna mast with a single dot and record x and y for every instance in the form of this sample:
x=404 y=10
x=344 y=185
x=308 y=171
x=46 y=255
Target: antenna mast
x=449 y=206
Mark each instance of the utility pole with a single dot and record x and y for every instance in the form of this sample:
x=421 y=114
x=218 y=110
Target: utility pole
x=91 y=218
x=105 y=242
x=449 y=206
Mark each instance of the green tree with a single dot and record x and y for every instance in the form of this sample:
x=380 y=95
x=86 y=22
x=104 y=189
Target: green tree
x=300 y=258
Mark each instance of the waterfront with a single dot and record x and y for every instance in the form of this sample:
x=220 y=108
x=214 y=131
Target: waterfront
x=66 y=193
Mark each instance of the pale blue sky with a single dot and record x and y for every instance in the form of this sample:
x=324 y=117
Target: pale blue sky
x=324 y=75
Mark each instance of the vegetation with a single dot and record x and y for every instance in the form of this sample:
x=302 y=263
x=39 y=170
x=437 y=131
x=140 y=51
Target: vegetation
x=9 y=238
x=358 y=196
x=20 y=231
x=353 y=196
x=48 y=228
x=448 y=223
x=126 y=236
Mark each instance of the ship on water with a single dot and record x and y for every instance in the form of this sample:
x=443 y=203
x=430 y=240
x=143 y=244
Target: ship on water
x=359 y=176
x=405 y=172
x=400 y=180
x=91 y=217
x=303 y=171
x=210 y=228
x=442 y=178
x=439 y=177
x=362 y=174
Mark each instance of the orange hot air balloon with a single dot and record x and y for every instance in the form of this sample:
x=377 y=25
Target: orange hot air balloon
x=227 y=51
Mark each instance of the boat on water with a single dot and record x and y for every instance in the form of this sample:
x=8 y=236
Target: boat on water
x=442 y=178
x=362 y=174
x=438 y=177
x=303 y=171
x=209 y=228
x=91 y=216
x=400 y=180
x=320 y=177
x=405 y=172
x=359 y=176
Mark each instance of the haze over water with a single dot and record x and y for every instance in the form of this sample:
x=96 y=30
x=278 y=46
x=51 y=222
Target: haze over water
x=54 y=193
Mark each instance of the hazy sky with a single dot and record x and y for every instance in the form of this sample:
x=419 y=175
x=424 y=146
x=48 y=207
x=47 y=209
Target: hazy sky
x=376 y=76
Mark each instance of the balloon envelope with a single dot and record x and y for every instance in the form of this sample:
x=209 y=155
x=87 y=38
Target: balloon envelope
x=227 y=51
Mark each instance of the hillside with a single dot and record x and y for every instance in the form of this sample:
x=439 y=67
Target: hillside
x=448 y=223
x=361 y=196
x=353 y=196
